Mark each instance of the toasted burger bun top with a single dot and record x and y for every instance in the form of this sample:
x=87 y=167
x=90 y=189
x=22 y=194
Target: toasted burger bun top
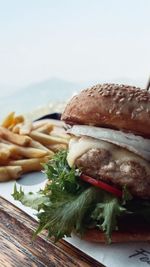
x=113 y=106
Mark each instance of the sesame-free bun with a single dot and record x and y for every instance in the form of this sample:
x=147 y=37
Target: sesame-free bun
x=113 y=106
x=129 y=231
x=97 y=236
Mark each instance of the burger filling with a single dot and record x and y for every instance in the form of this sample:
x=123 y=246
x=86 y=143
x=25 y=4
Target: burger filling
x=111 y=163
x=136 y=144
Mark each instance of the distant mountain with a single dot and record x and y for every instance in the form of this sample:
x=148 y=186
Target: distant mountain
x=38 y=94
x=6 y=89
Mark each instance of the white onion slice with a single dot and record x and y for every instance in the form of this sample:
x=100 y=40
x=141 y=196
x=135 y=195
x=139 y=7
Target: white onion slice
x=137 y=144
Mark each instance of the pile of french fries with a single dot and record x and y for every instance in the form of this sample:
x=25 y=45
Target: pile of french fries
x=25 y=145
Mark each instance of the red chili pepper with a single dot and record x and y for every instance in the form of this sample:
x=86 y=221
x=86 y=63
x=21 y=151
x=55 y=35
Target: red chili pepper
x=102 y=185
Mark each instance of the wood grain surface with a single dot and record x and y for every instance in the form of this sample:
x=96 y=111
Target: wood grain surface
x=18 y=250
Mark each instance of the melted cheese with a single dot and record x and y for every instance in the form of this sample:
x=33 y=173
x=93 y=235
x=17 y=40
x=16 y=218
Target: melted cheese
x=80 y=145
x=133 y=143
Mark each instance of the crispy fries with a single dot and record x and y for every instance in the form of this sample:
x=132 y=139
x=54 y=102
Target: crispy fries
x=57 y=147
x=47 y=139
x=25 y=128
x=22 y=140
x=11 y=120
x=38 y=145
x=46 y=128
x=29 y=165
x=29 y=152
x=25 y=145
x=10 y=172
x=16 y=128
x=4 y=154
x=8 y=120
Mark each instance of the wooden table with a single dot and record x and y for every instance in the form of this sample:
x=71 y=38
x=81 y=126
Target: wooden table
x=18 y=250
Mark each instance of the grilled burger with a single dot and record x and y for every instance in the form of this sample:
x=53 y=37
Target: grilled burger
x=110 y=131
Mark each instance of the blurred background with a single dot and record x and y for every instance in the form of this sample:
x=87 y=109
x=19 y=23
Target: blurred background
x=50 y=49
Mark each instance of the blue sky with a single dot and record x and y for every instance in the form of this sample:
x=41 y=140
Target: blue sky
x=77 y=40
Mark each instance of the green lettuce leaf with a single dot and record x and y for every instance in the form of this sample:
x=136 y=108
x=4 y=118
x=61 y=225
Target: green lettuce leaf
x=68 y=214
x=61 y=175
x=106 y=214
x=32 y=200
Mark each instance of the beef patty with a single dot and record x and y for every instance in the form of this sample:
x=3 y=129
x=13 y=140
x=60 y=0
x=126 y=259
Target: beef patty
x=100 y=164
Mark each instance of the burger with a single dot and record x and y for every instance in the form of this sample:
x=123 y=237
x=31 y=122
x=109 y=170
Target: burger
x=99 y=188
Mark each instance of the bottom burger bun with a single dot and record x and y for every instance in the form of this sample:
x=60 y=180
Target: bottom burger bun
x=129 y=230
x=134 y=234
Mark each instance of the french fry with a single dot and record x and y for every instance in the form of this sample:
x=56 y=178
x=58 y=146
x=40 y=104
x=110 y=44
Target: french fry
x=19 y=152
x=29 y=165
x=16 y=128
x=6 y=151
x=25 y=128
x=46 y=128
x=29 y=152
x=39 y=123
x=12 y=151
x=57 y=147
x=4 y=154
x=47 y=139
x=8 y=146
x=10 y=172
x=22 y=140
x=38 y=145
x=16 y=120
x=16 y=149
x=8 y=120
x=4 y=143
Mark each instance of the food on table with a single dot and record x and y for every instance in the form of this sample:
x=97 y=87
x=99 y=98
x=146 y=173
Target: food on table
x=100 y=187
